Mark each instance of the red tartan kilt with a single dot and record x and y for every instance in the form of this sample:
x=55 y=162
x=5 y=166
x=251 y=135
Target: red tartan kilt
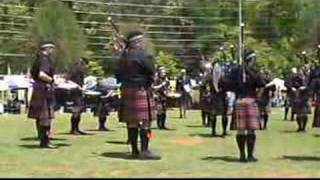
x=247 y=114
x=137 y=105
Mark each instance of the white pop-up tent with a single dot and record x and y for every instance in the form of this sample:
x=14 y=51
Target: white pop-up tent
x=279 y=83
x=4 y=87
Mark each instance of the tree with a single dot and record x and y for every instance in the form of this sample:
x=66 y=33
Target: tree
x=169 y=62
x=56 y=22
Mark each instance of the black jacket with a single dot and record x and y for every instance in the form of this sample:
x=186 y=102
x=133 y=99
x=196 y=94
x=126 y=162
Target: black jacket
x=135 y=68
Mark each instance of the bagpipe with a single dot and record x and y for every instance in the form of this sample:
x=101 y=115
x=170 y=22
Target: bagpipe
x=118 y=42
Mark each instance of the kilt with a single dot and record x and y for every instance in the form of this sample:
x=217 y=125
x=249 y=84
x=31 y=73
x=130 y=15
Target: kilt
x=78 y=102
x=205 y=103
x=42 y=102
x=247 y=115
x=301 y=104
x=264 y=106
x=316 y=118
x=161 y=105
x=106 y=104
x=136 y=106
x=219 y=104
x=103 y=108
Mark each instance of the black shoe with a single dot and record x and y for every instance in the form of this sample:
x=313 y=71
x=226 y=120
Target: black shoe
x=243 y=159
x=148 y=155
x=252 y=159
x=165 y=128
x=225 y=134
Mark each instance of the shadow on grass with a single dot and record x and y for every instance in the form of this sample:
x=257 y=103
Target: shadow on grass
x=117 y=142
x=96 y=130
x=301 y=158
x=36 y=146
x=222 y=158
x=317 y=135
x=69 y=134
x=118 y=155
x=168 y=129
x=289 y=131
x=123 y=155
x=36 y=139
x=207 y=135
x=196 y=126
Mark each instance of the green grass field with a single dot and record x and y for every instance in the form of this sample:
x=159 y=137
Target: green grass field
x=187 y=151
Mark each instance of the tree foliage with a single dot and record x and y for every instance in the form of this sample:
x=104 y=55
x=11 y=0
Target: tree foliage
x=276 y=29
x=55 y=22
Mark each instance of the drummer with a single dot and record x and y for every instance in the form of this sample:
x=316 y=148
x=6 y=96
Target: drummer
x=161 y=88
x=183 y=86
x=77 y=76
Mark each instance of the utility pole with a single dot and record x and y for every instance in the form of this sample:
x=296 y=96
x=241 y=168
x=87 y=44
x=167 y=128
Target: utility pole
x=241 y=33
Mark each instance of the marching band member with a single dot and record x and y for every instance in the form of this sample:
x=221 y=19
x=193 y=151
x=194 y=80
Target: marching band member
x=42 y=101
x=136 y=71
x=161 y=87
x=184 y=87
x=297 y=85
x=246 y=109
x=76 y=75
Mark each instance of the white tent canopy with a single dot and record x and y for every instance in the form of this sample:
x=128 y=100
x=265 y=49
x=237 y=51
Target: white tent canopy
x=279 y=83
x=4 y=85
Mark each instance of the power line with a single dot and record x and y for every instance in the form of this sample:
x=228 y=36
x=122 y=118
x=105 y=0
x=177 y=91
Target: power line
x=144 y=15
x=140 y=5
x=93 y=57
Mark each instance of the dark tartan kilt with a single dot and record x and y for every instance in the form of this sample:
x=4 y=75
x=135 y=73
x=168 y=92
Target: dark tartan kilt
x=42 y=103
x=205 y=103
x=161 y=105
x=218 y=104
x=301 y=107
x=78 y=102
x=247 y=115
x=316 y=117
x=136 y=106
x=264 y=106
x=102 y=109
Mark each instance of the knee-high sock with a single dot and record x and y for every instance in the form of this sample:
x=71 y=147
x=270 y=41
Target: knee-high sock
x=286 y=110
x=251 y=140
x=102 y=121
x=163 y=120
x=159 y=120
x=213 y=120
x=304 y=122
x=144 y=139
x=73 y=123
x=241 y=141
x=203 y=117
x=133 y=138
x=299 y=122
x=78 y=119
x=224 y=123
x=265 y=118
